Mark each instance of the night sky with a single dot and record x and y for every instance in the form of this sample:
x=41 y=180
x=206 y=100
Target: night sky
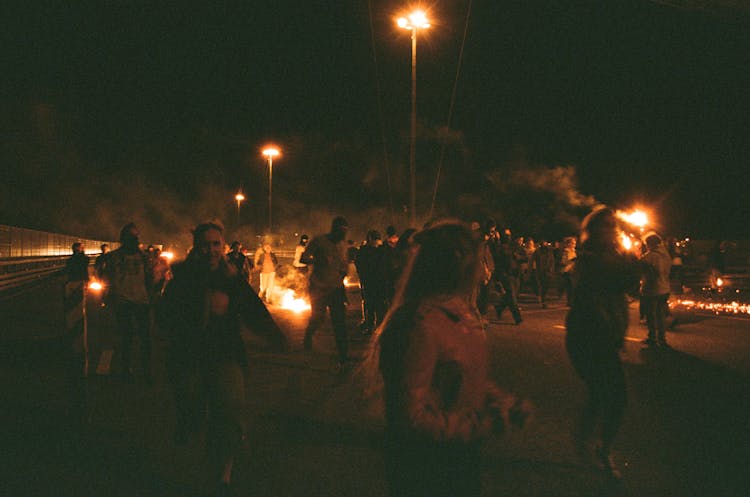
x=118 y=111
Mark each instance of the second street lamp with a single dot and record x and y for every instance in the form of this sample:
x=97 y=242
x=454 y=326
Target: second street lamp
x=270 y=153
x=414 y=21
x=239 y=198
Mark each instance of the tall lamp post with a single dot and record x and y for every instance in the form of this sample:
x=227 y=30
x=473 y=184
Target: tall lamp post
x=270 y=153
x=239 y=198
x=414 y=21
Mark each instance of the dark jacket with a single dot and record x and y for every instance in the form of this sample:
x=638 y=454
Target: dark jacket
x=77 y=267
x=598 y=318
x=198 y=336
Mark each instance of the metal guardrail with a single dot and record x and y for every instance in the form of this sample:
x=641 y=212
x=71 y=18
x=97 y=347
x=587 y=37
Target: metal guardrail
x=19 y=272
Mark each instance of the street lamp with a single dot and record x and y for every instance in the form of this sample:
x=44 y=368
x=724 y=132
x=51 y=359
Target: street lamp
x=270 y=153
x=414 y=21
x=239 y=198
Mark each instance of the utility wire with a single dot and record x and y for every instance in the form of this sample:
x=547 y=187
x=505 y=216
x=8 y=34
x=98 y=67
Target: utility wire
x=380 y=115
x=450 y=109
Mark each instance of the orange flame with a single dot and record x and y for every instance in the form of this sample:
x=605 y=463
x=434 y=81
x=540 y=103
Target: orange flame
x=292 y=303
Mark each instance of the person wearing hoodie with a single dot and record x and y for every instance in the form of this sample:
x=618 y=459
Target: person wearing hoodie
x=128 y=275
x=655 y=292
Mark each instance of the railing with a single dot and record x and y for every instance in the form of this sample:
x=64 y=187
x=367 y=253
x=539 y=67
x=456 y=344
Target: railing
x=17 y=273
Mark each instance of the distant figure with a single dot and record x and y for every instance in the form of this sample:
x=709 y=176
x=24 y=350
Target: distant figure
x=487 y=261
x=327 y=256
x=655 y=289
x=129 y=277
x=237 y=257
x=507 y=271
x=372 y=282
x=266 y=263
x=389 y=259
x=77 y=266
x=543 y=268
x=101 y=261
x=298 y=251
x=203 y=307
x=567 y=262
x=439 y=401
x=596 y=326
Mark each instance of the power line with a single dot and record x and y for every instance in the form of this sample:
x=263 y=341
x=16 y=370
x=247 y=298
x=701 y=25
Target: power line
x=450 y=109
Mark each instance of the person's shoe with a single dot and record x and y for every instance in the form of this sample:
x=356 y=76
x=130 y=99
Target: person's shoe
x=607 y=464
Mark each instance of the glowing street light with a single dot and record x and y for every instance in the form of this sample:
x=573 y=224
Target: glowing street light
x=270 y=153
x=239 y=198
x=415 y=21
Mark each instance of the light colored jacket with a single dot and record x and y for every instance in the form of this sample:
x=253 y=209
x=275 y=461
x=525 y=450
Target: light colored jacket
x=657 y=264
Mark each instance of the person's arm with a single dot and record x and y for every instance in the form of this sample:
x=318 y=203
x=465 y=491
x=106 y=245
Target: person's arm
x=256 y=317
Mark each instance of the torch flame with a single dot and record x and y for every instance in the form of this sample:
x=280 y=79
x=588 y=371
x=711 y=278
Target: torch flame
x=95 y=286
x=626 y=241
x=292 y=303
x=636 y=218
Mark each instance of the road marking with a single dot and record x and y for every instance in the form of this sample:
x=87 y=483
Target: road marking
x=105 y=363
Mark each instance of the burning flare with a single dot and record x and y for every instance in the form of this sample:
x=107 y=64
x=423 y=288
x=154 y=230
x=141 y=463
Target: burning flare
x=290 y=302
x=637 y=218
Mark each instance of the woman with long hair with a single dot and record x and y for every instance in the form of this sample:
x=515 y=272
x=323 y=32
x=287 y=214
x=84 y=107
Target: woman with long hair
x=596 y=324
x=439 y=402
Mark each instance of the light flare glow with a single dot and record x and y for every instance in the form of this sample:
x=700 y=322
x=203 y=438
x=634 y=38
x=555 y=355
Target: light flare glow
x=292 y=303
x=636 y=218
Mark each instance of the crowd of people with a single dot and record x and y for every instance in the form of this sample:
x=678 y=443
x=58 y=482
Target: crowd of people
x=425 y=296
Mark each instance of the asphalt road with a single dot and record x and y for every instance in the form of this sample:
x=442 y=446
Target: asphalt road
x=315 y=433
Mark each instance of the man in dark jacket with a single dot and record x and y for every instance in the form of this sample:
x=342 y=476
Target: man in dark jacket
x=507 y=271
x=204 y=306
x=372 y=282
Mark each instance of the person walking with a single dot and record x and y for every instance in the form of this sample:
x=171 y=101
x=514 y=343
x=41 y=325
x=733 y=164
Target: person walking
x=237 y=257
x=266 y=262
x=204 y=306
x=372 y=282
x=506 y=275
x=543 y=268
x=439 y=402
x=327 y=256
x=298 y=251
x=129 y=276
x=596 y=324
x=655 y=289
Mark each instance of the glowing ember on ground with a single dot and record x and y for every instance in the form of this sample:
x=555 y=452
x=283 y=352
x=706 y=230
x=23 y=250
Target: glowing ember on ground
x=290 y=302
x=715 y=307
